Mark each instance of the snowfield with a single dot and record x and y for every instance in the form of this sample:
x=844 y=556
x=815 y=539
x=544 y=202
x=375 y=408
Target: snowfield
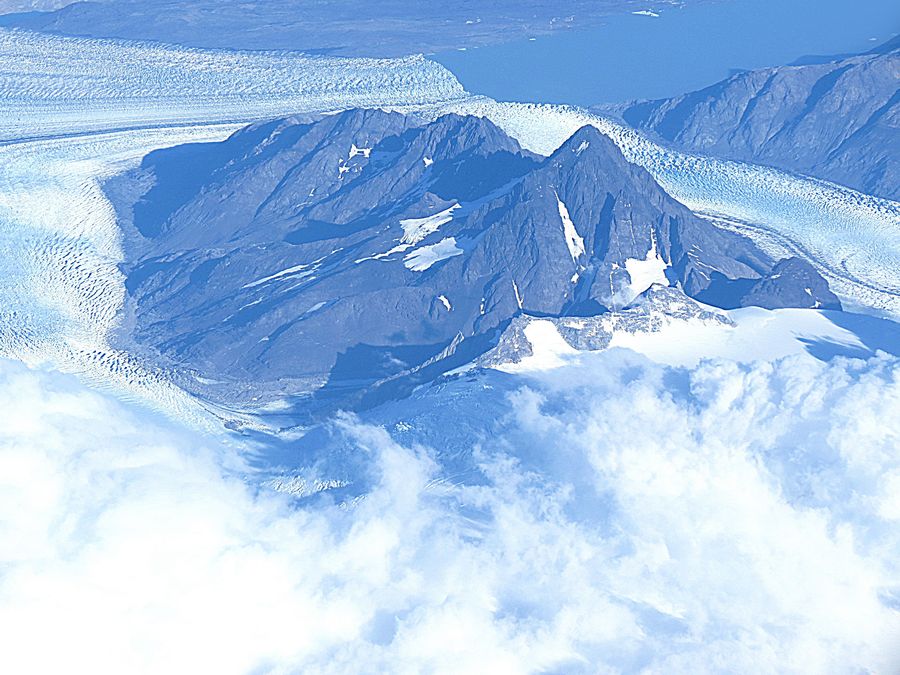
x=746 y=335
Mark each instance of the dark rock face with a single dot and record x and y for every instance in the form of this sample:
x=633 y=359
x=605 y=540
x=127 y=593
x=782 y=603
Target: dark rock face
x=791 y=283
x=366 y=246
x=838 y=120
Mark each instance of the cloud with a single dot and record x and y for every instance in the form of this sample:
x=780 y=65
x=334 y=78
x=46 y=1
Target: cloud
x=758 y=501
x=627 y=516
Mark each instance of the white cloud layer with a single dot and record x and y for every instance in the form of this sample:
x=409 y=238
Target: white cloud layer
x=727 y=518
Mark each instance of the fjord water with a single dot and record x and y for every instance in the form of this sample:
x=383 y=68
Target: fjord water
x=638 y=56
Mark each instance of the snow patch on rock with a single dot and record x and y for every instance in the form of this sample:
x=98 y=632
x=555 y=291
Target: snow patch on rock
x=424 y=257
x=574 y=241
x=416 y=229
x=644 y=273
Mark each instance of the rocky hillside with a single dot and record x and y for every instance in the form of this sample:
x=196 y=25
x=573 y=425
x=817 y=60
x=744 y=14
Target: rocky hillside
x=838 y=120
x=333 y=254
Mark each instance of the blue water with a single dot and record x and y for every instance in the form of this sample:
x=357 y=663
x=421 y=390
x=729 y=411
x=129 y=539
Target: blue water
x=634 y=57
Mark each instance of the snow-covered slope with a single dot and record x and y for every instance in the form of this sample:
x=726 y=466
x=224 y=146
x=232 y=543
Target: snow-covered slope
x=673 y=329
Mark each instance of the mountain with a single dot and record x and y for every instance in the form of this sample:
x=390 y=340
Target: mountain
x=324 y=257
x=838 y=120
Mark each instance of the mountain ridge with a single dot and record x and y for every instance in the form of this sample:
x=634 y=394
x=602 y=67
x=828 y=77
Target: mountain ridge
x=838 y=119
x=329 y=255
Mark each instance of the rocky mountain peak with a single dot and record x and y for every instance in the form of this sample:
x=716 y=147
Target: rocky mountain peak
x=328 y=257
